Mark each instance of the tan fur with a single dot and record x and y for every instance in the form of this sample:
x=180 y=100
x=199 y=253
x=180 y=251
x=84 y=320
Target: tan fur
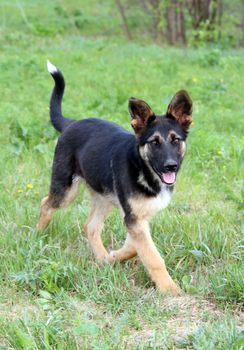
x=137 y=124
x=143 y=150
x=128 y=251
x=181 y=117
x=156 y=136
x=172 y=135
x=48 y=208
x=146 y=207
x=147 y=251
x=46 y=214
x=72 y=193
x=100 y=209
x=182 y=148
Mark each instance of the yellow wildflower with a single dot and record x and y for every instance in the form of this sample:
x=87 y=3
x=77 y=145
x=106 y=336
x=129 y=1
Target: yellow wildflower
x=19 y=190
x=29 y=186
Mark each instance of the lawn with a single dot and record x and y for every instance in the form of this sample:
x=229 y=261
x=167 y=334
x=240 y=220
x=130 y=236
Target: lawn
x=53 y=294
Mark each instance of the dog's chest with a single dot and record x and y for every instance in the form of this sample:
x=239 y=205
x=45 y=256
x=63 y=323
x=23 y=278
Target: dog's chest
x=145 y=207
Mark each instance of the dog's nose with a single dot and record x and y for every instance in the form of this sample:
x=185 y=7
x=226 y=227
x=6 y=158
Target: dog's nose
x=170 y=165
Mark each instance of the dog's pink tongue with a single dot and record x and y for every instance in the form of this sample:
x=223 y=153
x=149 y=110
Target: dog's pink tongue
x=169 y=178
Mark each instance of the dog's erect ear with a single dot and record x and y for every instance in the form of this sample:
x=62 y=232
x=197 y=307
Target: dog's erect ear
x=141 y=114
x=180 y=109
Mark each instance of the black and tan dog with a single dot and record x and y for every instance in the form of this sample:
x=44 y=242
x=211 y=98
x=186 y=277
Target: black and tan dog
x=135 y=173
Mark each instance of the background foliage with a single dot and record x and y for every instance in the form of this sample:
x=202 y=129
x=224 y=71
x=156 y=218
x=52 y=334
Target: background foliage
x=174 y=22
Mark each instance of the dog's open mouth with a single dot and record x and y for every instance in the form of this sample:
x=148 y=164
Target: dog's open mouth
x=168 y=178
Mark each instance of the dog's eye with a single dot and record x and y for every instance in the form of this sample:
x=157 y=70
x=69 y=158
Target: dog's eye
x=176 y=141
x=155 y=142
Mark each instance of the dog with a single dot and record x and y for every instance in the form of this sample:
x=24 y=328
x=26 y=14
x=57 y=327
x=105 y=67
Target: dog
x=134 y=172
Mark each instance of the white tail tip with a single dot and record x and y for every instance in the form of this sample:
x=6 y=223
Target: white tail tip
x=51 y=68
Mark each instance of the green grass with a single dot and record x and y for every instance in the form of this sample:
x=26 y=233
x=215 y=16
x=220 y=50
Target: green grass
x=53 y=294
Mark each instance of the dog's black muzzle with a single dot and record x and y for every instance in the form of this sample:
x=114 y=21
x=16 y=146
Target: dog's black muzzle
x=170 y=166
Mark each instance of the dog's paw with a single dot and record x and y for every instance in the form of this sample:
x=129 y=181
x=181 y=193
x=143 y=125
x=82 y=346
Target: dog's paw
x=102 y=258
x=111 y=258
x=175 y=290
x=170 y=288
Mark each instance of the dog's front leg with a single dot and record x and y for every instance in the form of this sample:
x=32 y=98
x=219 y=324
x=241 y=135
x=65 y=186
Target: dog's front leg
x=141 y=238
x=99 y=211
x=125 y=253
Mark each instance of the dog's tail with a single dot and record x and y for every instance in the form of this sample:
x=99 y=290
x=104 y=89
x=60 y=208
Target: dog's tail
x=58 y=120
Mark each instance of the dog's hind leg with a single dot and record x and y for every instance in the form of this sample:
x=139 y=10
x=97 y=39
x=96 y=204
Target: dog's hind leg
x=46 y=214
x=53 y=202
x=125 y=253
x=64 y=186
x=94 y=225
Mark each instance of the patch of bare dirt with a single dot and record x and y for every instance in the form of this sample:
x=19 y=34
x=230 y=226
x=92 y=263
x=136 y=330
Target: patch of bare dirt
x=190 y=314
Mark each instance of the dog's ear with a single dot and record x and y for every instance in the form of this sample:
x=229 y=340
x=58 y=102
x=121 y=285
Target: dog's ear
x=180 y=109
x=141 y=114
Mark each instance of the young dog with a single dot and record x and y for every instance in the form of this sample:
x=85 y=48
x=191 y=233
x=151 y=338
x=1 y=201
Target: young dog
x=135 y=173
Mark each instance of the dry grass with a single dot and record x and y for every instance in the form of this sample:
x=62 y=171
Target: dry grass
x=185 y=316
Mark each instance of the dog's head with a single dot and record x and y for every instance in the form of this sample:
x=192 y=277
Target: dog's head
x=162 y=139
